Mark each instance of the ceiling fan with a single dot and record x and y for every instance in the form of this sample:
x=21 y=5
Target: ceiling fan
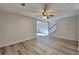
x=44 y=13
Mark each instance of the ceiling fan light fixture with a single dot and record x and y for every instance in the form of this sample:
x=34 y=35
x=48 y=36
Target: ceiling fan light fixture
x=44 y=13
x=44 y=17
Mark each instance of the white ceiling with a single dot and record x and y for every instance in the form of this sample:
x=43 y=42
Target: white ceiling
x=35 y=9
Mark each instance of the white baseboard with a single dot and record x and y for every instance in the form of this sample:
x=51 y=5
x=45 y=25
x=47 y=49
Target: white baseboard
x=65 y=38
x=16 y=42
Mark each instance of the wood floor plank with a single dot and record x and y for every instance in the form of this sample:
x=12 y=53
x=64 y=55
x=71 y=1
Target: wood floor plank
x=10 y=51
x=3 y=51
x=19 y=49
x=47 y=49
x=42 y=46
x=39 y=49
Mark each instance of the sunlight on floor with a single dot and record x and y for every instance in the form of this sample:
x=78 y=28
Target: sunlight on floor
x=42 y=34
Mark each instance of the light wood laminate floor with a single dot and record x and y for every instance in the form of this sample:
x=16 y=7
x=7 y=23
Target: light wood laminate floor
x=42 y=46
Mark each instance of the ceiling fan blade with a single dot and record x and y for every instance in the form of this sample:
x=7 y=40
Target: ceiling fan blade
x=51 y=15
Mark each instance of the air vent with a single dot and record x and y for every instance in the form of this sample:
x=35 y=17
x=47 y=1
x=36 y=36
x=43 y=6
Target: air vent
x=23 y=4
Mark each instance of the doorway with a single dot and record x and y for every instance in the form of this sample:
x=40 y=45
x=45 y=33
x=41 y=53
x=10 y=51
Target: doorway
x=42 y=28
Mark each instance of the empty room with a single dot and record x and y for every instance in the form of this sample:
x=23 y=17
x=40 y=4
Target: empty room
x=39 y=28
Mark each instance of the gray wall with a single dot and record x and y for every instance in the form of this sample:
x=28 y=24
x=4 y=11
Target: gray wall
x=67 y=28
x=15 y=28
x=78 y=28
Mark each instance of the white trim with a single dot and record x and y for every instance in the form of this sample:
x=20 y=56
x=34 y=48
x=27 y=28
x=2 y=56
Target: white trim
x=16 y=42
x=65 y=38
